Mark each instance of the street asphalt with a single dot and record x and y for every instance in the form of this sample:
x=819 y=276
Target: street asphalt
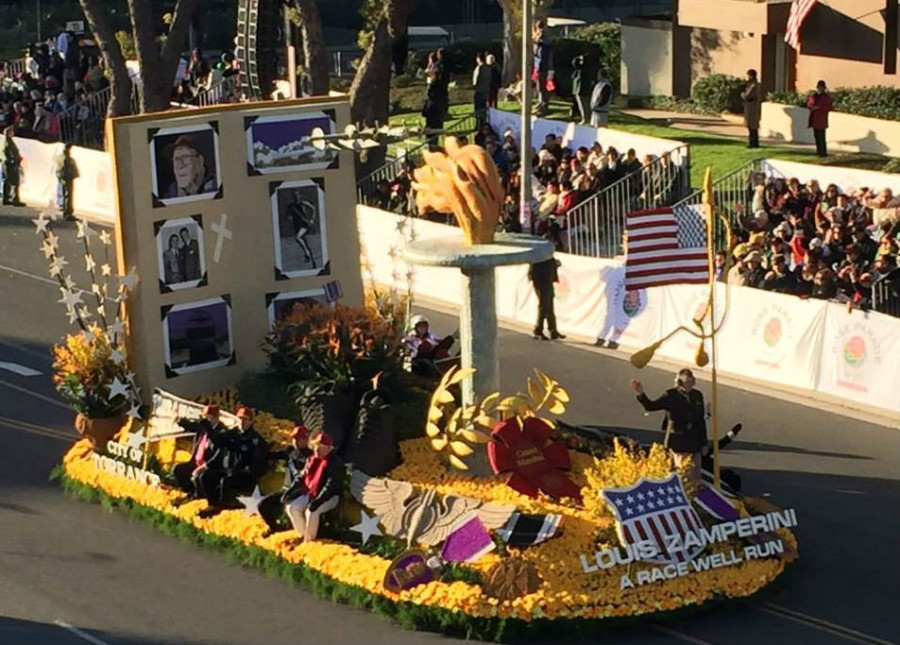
x=72 y=573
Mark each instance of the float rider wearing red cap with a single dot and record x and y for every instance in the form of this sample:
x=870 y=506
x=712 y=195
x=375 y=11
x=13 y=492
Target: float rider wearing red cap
x=295 y=459
x=323 y=480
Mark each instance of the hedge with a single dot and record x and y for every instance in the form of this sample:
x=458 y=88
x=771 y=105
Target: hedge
x=719 y=93
x=878 y=102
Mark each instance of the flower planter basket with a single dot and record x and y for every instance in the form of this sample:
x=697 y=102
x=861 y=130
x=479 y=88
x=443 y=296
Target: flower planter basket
x=99 y=431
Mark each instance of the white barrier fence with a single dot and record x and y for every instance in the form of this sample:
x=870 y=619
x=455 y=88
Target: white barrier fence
x=768 y=337
x=93 y=191
x=574 y=135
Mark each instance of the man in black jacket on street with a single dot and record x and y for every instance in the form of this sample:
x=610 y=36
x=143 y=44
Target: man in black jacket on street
x=542 y=276
x=685 y=422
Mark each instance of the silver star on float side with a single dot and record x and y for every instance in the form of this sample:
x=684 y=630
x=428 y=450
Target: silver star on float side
x=367 y=527
x=84 y=229
x=117 y=388
x=251 y=502
x=104 y=237
x=58 y=264
x=135 y=440
x=128 y=281
x=41 y=224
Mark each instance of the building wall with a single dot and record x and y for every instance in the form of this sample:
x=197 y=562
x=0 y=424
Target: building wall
x=724 y=52
x=853 y=60
x=647 y=59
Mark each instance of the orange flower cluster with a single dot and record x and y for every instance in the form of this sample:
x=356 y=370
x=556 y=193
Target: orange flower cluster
x=84 y=371
x=566 y=591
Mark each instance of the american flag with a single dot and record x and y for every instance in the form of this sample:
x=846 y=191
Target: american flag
x=653 y=509
x=799 y=10
x=666 y=246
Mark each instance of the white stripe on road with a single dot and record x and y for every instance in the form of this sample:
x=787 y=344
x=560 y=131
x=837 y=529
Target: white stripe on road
x=29 y=275
x=36 y=395
x=79 y=633
x=21 y=370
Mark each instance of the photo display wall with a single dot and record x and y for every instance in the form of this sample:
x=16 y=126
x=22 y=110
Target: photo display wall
x=232 y=221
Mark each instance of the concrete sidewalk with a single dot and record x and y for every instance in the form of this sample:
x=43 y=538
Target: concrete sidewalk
x=726 y=125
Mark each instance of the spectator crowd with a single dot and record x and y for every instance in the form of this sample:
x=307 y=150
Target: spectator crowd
x=60 y=77
x=562 y=179
x=804 y=240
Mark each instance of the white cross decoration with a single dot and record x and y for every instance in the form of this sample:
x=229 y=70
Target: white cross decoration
x=222 y=234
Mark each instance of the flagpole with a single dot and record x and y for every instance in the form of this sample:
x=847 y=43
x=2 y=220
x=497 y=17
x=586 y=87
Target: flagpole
x=710 y=250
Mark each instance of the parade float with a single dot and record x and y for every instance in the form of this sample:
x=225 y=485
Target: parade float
x=464 y=509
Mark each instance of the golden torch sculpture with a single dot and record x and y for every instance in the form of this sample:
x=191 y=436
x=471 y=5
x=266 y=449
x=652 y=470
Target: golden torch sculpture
x=463 y=181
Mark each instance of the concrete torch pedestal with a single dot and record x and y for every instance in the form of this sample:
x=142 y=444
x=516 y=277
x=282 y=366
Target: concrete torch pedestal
x=478 y=317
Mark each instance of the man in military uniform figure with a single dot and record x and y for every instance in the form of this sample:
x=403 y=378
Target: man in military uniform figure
x=66 y=174
x=685 y=422
x=12 y=164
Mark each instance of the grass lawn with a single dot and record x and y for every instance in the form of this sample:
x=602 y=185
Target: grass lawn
x=721 y=153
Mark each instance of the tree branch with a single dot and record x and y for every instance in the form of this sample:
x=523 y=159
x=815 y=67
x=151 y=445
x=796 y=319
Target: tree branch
x=101 y=27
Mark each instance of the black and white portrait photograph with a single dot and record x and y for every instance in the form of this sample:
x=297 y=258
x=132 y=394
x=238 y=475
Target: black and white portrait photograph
x=180 y=252
x=281 y=143
x=185 y=164
x=301 y=243
x=197 y=335
x=280 y=306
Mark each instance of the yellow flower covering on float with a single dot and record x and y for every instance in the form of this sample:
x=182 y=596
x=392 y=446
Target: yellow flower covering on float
x=566 y=591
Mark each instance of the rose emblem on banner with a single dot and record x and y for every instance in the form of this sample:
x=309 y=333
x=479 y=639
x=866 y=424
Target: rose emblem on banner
x=772 y=332
x=633 y=302
x=563 y=288
x=533 y=458
x=855 y=351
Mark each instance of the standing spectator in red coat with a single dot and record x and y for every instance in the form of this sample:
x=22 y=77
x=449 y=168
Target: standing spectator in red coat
x=819 y=105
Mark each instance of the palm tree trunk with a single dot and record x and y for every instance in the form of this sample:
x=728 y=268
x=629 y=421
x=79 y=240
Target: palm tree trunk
x=313 y=46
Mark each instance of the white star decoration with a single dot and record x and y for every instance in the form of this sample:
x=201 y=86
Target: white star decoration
x=41 y=224
x=134 y=412
x=47 y=249
x=117 y=357
x=84 y=229
x=116 y=328
x=58 y=264
x=105 y=237
x=71 y=298
x=69 y=282
x=128 y=281
x=367 y=527
x=88 y=335
x=251 y=503
x=135 y=440
x=89 y=263
x=106 y=269
x=73 y=315
x=117 y=388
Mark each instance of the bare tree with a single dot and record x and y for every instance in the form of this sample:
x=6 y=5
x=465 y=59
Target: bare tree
x=157 y=61
x=310 y=22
